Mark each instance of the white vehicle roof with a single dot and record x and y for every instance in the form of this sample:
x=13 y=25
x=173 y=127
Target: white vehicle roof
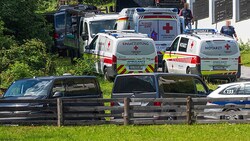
x=125 y=35
x=207 y=35
x=145 y=10
x=100 y=17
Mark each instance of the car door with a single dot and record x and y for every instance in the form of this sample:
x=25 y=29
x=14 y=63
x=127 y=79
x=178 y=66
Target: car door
x=171 y=56
x=181 y=56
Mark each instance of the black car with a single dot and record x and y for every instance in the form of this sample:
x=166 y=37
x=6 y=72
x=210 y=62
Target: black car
x=50 y=88
x=157 y=85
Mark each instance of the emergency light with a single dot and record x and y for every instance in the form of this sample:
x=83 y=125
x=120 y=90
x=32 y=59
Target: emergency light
x=150 y=10
x=191 y=31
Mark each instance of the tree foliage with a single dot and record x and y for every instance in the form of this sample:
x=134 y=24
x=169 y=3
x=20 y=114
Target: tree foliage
x=22 y=22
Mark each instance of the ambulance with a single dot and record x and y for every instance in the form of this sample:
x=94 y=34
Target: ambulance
x=123 y=53
x=204 y=52
x=161 y=24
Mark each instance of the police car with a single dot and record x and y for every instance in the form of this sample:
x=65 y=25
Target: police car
x=123 y=52
x=230 y=90
x=204 y=52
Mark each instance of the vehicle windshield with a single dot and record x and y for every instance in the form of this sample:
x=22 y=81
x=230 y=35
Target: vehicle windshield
x=98 y=26
x=32 y=87
x=132 y=84
x=60 y=21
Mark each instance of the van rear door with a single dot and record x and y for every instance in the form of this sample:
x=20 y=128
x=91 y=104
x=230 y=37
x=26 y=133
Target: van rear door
x=136 y=56
x=219 y=57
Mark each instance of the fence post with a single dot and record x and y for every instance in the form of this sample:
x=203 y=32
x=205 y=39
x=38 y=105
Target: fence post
x=59 y=112
x=189 y=110
x=126 y=114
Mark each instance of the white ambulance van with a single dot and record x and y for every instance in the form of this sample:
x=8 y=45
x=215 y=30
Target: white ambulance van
x=123 y=53
x=204 y=52
x=161 y=24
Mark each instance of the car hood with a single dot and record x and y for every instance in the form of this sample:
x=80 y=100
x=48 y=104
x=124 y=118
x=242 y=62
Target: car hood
x=2 y=104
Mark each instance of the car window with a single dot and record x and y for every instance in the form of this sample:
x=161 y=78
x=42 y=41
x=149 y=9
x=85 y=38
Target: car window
x=81 y=87
x=59 y=86
x=247 y=89
x=131 y=84
x=136 y=47
x=177 y=84
x=93 y=43
x=200 y=87
x=231 y=90
x=183 y=44
x=175 y=44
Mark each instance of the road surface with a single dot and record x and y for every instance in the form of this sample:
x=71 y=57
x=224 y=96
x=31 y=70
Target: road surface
x=245 y=73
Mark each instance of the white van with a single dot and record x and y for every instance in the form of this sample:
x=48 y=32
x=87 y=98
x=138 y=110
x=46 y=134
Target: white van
x=122 y=53
x=204 y=52
x=161 y=24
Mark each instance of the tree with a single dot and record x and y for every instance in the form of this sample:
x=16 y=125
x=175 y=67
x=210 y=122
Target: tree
x=22 y=21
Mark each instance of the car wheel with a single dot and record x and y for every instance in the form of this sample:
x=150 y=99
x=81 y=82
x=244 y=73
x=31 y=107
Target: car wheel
x=188 y=71
x=231 y=117
x=164 y=67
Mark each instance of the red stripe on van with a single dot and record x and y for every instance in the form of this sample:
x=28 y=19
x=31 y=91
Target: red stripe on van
x=125 y=18
x=108 y=60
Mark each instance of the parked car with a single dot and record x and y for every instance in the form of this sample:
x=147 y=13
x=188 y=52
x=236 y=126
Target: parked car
x=120 y=52
x=157 y=85
x=204 y=52
x=230 y=90
x=49 y=88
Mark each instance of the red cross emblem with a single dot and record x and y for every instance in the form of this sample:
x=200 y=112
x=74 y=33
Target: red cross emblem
x=227 y=46
x=167 y=28
x=136 y=47
x=192 y=44
x=109 y=44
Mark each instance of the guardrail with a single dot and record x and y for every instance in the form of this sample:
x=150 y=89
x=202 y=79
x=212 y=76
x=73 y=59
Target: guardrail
x=77 y=111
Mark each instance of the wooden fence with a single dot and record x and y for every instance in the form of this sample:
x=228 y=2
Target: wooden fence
x=129 y=111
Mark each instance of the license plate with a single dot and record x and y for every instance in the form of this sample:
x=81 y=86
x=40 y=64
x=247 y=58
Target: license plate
x=135 y=67
x=219 y=67
x=135 y=103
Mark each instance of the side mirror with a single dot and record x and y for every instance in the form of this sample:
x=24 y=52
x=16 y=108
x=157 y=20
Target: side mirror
x=85 y=36
x=87 y=47
x=57 y=94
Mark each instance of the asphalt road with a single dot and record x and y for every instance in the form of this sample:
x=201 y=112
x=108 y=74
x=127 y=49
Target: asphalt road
x=245 y=73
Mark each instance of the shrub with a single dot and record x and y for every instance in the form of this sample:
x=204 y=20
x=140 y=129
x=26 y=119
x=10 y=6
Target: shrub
x=16 y=71
x=244 y=47
x=32 y=52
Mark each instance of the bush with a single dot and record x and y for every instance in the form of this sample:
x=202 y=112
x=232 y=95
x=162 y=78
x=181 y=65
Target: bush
x=16 y=71
x=81 y=66
x=32 y=52
x=244 y=47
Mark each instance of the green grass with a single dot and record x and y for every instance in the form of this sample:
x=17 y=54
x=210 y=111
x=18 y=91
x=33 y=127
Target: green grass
x=245 y=58
x=218 y=132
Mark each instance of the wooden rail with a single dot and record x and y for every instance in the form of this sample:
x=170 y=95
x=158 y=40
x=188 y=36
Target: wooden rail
x=79 y=111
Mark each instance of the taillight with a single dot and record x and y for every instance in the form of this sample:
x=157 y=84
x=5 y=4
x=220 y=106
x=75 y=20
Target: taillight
x=112 y=103
x=157 y=103
x=114 y=59
x=196 y=60
x=156 y=59
x=56 y=36
x=239 y=60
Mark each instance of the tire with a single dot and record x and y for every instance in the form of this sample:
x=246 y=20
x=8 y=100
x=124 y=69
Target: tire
x=164 y=67
x=188 y=71
x=232 y=117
